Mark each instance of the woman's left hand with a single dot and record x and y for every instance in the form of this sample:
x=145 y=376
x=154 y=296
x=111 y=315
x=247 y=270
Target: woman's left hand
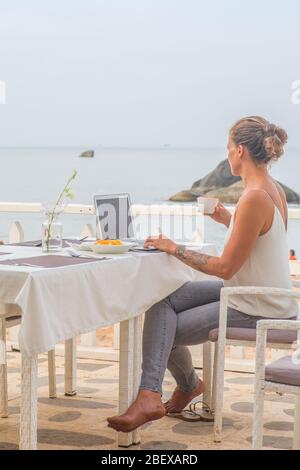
x=162 y=243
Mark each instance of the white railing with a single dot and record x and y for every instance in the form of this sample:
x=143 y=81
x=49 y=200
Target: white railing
x=16 y=232
x=237 y=357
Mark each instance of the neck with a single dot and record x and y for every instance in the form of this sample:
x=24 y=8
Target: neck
x=253 y=175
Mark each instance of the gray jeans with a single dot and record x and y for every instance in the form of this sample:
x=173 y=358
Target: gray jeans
x=183 y=318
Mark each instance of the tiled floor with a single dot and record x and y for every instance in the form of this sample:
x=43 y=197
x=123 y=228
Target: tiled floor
x=80 y=422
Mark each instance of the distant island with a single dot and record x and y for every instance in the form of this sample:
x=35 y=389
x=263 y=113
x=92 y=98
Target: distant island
x=87 y=154
x=220 y=183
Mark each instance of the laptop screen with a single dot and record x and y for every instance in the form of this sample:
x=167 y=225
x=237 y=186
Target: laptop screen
x=114 y=218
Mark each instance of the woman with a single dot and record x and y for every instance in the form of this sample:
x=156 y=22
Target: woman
x=255 y=253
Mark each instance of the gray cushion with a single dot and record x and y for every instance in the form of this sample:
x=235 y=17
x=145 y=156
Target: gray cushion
x=283 y=371
x=249 y=334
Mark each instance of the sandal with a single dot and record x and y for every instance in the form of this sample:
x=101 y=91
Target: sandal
x=191 y=414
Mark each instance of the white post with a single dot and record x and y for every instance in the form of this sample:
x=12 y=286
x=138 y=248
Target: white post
x=70 y=367
x=214 y=386
x=261 y=342
x=220 y=367
x=207 y=376
x=137 y=362
x=126 y=375
x=52 y=373
x=3 y=371
x=28 y=415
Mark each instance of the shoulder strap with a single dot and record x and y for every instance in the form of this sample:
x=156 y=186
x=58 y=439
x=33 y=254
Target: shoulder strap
x=264 y=191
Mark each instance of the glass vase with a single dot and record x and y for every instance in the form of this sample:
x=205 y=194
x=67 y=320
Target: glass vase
x=52 y=231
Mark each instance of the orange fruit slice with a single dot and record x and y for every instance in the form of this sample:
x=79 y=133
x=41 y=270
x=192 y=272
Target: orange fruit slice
x=108 y=242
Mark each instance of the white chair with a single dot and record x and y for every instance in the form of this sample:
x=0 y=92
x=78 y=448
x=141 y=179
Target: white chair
x=236 y=337
x=9 y=317
x=281 y=376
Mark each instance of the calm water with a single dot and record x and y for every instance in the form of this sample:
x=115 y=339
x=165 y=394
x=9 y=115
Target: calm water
x=149 y=175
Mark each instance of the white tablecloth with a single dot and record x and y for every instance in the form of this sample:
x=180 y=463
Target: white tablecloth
x=59 y=303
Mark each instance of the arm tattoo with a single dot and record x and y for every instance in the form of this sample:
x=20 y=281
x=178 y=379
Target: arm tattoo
x=192 y=258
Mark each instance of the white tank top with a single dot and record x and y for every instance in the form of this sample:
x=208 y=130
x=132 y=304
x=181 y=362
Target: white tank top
x=267 y=266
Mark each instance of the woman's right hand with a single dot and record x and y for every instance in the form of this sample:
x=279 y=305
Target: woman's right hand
x=221 y=215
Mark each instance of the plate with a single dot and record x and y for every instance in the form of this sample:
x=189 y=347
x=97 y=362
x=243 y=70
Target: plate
x=112 y=249
x=87 y=246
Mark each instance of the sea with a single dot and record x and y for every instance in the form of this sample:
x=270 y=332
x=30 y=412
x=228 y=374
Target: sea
x=149 y=175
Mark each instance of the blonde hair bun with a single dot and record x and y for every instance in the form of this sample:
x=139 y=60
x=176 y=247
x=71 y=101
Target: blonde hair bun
x=265 y=141
x=275 y=139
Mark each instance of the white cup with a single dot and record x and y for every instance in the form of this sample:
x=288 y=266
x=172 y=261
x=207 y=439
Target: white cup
x=207 y=204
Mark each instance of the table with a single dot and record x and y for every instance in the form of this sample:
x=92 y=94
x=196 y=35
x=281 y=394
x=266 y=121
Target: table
x=59 y=303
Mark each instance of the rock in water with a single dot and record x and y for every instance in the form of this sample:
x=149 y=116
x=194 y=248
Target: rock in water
x=222 y=184
x=220 y=177
x=229 y=194
x=291 y=196
x=88 y=154
x=183 y=196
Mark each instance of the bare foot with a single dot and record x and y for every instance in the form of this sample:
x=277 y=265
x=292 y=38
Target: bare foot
x=179 y=400
x=147 y=407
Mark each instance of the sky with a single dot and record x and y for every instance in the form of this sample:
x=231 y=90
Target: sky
x=145 y=72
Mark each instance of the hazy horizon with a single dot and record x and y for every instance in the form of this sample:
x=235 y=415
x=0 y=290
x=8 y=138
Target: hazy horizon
x=129 y=147
x=144 y=73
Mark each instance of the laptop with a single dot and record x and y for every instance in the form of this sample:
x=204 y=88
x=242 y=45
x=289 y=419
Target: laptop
x=114 y=219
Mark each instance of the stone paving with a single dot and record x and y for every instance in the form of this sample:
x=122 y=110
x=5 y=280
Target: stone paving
x=79 y=422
